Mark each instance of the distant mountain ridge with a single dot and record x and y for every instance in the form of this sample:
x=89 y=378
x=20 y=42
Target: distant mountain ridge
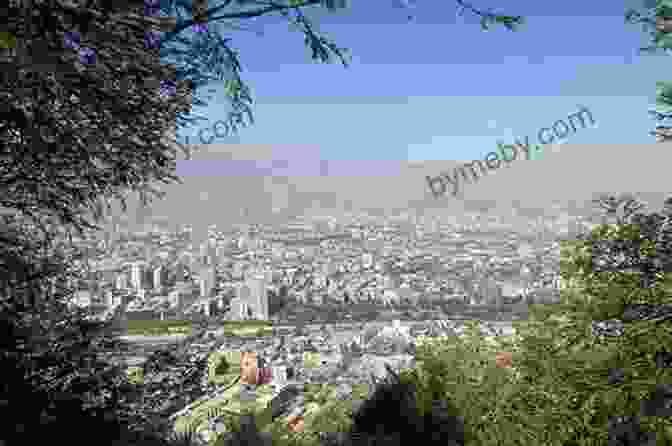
x=572 y=176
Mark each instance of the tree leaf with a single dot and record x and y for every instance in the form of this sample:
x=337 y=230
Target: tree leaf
x=7 y=40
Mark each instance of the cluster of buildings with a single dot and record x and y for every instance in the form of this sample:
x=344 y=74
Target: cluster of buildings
x=249 y=272
x=159 y=286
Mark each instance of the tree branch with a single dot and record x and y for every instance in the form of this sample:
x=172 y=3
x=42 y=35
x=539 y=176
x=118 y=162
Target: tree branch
x=508 y=21
x=164 y=24
x=242 y=14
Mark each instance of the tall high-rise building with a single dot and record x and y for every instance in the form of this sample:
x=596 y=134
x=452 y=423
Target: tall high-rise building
x=242 y=242
x=220 y=253
x=203 y=256
x=147 y=277
x=239 y=308
x=113 y=298
x=181 y=295
x=243 y=292
x=181 y=272
x=258 y=286
x=121 y=282
x=137 y=271
x=238 y=270
x=159 y=277
x=207 y=280
x=212 y=253
x=208 y=252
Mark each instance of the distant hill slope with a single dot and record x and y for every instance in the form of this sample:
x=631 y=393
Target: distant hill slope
x=575 y=174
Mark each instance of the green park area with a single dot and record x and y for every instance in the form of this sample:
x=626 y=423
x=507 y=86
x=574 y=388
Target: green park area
x=252 y=330
x=158 y=327
x=168 y=327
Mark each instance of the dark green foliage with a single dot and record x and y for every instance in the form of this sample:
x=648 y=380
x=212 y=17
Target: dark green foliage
x=626 y=431
x=391 y=407
x=52 y=377
x=391 y=416
x=78 y=136
x=649 y=18
x=158 y=360
x=244 y=432
x=283 y=401
x=609 y=362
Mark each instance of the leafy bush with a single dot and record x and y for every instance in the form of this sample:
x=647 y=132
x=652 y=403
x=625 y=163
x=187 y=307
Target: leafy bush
x=263 y=332
x=461 y=372
x=223 y=367
x=311 y=360
x=135 y=375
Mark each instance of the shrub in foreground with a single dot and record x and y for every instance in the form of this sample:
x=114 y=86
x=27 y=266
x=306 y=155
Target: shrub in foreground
x=389 y=416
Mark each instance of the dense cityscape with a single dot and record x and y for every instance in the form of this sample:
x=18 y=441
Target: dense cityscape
x=250 y=272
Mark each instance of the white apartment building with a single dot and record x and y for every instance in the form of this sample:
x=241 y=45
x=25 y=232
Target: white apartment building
x=159 y=273
x=137 y=271
x=258 y=298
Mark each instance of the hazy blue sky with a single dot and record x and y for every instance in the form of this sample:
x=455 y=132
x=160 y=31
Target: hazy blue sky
x=439 y=87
